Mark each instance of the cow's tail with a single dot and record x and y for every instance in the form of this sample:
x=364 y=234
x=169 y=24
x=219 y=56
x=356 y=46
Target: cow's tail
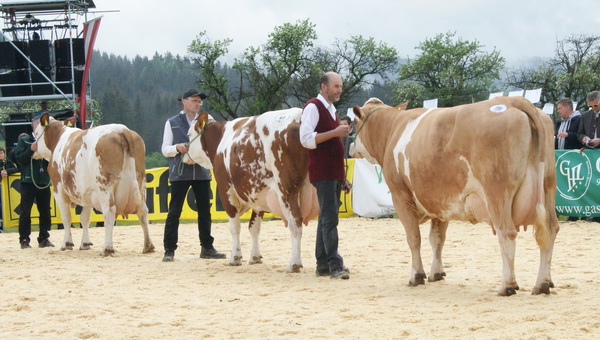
x=136 y=149
x=539 y=157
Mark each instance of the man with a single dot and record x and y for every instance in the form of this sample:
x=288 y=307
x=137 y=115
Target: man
x=6 y=168
x=349 y=139
x=35 y=183
x=566 y=130
x=589 y=134
x=321 y=133
x=183 y=176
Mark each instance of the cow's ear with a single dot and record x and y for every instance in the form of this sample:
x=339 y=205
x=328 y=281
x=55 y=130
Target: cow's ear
x=45 y=119
x=357 y=112
x=202 y=119
x=403 y=106
x=70 y=122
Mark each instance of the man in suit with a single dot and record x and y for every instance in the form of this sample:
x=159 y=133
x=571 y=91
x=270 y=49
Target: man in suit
x=589 y=127
x=568 y=126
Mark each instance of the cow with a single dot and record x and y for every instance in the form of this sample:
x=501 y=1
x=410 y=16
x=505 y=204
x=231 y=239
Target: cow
x=259 y=164
x=491 y=161
x=101 y=168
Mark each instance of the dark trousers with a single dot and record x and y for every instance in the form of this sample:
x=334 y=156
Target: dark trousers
x=29 y=194
x=179 y=190
x=326 y=249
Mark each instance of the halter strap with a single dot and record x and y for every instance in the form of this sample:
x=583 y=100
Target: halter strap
x=367 y=117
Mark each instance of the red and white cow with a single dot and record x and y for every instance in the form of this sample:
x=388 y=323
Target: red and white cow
x=491 y=161
x=259 y=164
x=101 y=168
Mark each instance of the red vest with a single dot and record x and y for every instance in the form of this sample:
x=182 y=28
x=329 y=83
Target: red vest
x=327 y=160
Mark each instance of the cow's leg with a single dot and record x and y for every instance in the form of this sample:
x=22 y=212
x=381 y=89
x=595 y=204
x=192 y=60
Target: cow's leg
x=437 y=237
x=108 y=213
x=143 y=217
x=65 y=213
x=254 y=228
x=409 y=220
x=236 y=251
x=508 y=284
x=84 y=218
x=544 y=279
x=296 y=258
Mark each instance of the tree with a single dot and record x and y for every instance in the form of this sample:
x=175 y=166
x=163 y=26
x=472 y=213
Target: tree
x=572 y=72
x=453 y=70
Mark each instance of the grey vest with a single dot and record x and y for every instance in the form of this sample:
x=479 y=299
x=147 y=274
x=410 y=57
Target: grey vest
x=179 y=171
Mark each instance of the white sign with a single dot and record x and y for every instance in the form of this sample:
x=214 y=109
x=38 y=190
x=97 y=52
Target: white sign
x=518 y=93
x=370 y=194
x=548 y=108
x=533 y=95
x=350 y=114
x=430 y=104
x=496 y=94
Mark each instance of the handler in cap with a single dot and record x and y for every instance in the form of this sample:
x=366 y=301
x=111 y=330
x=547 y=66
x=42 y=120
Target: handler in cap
x=183 y=176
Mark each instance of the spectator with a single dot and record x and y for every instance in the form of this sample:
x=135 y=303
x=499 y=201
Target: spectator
x=321 y=133
x=349 y=139
x=566 y=130
x=183 y=176
x=589 y=134
x=6 y=168
x=35 y=184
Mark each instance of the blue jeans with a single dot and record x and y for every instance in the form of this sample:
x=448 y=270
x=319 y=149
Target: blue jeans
x=326 y=249
x=179 y=189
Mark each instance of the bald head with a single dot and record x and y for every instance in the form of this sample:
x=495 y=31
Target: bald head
x=331 y=86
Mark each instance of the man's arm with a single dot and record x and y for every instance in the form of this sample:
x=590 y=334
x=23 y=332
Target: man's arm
x=168 y=149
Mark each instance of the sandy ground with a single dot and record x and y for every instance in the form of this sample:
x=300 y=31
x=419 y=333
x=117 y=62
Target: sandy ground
x=48 y=293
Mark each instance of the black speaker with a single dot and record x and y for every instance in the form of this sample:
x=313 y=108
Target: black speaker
x=39 y=53
x=11 y=58
x=12 y=132
x=62 y=52
x=15 y=77
x=64 y=74
x=44 y=89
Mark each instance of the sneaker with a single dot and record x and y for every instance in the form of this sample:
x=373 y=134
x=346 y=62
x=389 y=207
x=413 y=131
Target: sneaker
x=169 y=256
x=45 y=243
x=25 y=245
x=342 y=273
x=211 y=254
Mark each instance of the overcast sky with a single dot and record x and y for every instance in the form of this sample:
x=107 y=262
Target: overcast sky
x=518 y=29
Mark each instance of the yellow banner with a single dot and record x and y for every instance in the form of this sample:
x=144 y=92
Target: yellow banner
x=157 y=199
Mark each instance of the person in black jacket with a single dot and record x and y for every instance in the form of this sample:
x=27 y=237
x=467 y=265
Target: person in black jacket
x=35 y=186
x=566 y=129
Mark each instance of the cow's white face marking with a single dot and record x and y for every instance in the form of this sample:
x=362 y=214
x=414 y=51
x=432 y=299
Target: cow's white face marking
x=405 y=138
x=498 y=108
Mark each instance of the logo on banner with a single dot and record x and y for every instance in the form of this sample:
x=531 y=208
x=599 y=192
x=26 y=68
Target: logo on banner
x=576 y=169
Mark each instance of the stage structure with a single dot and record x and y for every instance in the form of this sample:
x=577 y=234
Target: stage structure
x=45 y=52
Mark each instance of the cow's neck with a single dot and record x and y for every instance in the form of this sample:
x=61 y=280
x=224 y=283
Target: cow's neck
x=52 y=135
x=211 y=138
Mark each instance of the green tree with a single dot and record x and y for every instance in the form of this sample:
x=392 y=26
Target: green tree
x=572 y=72
x=453 y=70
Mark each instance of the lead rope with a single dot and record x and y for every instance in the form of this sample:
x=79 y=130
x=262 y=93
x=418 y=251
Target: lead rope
x=41 y=166
x=181 y=165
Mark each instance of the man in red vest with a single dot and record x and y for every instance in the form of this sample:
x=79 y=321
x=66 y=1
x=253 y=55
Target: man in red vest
x=321 y=133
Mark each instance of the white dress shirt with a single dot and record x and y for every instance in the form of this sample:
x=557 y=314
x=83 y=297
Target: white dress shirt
x=310 y=119
x=168 y=148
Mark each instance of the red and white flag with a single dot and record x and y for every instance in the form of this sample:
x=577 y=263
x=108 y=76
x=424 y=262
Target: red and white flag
x=90 y=29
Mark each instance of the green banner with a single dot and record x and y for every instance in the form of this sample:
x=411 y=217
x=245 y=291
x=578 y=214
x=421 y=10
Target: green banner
x=578 y=183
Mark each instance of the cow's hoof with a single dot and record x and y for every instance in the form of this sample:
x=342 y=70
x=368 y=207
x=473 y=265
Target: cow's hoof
x=508 y=291
x=418 y=280
x=67 y=246
x=294 y=269
x=235 y=261
x=108 y=252
x=437 y=277
x=86 y=246
x=148 y=249
x=256 y=259
x=543 y=289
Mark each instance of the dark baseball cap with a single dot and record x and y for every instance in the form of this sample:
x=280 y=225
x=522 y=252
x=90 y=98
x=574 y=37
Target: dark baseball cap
x=192 y=93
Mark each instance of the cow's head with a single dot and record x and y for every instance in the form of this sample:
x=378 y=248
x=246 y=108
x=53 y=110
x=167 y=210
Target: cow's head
x=358 y=149
x=197 y=153
x=39 y=129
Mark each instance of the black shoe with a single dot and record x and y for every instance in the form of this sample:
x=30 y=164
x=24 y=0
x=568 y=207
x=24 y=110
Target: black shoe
x=211 y=254
x=342 y=273
x=25 y=245
x=45 y=243
x=322 y=270
x=169 y=256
